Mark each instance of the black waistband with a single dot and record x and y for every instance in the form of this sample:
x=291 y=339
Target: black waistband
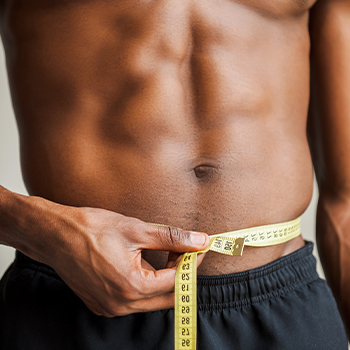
x=269 y=281
x=235 y=290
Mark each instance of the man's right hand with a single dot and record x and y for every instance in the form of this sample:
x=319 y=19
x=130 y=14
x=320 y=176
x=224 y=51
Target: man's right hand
x=97 y=253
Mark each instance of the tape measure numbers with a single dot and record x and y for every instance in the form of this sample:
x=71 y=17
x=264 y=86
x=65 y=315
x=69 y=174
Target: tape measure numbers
x=230 y=243
x=186 y=302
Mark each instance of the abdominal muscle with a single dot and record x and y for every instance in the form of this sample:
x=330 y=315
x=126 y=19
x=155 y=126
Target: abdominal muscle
x=198 y=122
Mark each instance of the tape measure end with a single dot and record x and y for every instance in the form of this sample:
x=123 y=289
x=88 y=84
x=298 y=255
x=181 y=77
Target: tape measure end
x=238 y=247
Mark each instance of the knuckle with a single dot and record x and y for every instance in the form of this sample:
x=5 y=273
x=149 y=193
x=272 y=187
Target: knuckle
x=133 y=308
x=172 y=235
x=135 y=229
x=138 y=288
x=117 y=310
x=123 y=312
x=107 y=314
x=114 y=308
x=128 y=295
x=143 y=289
x=133 y=291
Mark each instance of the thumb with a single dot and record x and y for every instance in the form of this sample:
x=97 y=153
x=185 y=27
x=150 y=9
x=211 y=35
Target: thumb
x=162 y=237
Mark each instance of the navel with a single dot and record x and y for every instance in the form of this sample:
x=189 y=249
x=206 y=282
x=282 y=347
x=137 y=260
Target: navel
x=206 y=172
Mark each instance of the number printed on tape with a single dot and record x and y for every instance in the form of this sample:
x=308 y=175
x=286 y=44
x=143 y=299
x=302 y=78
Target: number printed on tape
x=186 y=303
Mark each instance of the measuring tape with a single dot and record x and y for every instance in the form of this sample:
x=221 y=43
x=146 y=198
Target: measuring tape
x=230 y=243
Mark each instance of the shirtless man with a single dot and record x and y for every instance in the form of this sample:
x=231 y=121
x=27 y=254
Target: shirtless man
x=189 y=113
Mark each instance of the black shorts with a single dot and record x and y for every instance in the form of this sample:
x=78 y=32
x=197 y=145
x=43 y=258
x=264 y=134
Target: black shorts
x=282 y=305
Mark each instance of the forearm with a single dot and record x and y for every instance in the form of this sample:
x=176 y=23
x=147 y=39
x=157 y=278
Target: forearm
x=12 y=212
x=333 y=241
x=329 y=139
x=29 y=224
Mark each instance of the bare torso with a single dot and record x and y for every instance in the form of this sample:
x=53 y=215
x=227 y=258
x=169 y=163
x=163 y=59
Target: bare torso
x=189 y=113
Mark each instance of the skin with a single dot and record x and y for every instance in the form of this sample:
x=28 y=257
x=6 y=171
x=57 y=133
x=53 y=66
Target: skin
x=192 y=114
x=328 y=130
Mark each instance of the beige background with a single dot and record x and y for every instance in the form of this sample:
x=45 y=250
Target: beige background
x=10 y=174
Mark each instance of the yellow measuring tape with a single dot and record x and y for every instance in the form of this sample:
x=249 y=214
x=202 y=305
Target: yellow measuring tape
x=230 y=243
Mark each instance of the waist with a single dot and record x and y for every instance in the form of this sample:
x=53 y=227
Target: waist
x=274 y=241
x=237 y=289
x=215 y=264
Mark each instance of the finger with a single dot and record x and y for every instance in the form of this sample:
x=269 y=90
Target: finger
x=154 y=291
x=146 y=265
x=200 y=258
x=165 y=301
x=161 y=302
x=156 y=237
x=158 y=282
x=173 y=259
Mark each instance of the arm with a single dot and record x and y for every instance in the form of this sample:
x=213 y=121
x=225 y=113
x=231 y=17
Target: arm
x=96 y=252
x=329 y=138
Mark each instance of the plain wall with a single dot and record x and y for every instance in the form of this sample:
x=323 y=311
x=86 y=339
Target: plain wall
x=10 y=172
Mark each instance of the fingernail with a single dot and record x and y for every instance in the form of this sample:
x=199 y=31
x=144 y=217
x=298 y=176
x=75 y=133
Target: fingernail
x=198 y=239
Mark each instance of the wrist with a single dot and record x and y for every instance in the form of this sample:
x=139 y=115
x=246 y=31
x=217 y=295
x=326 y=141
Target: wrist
x=9 y=221
x=21 y=223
